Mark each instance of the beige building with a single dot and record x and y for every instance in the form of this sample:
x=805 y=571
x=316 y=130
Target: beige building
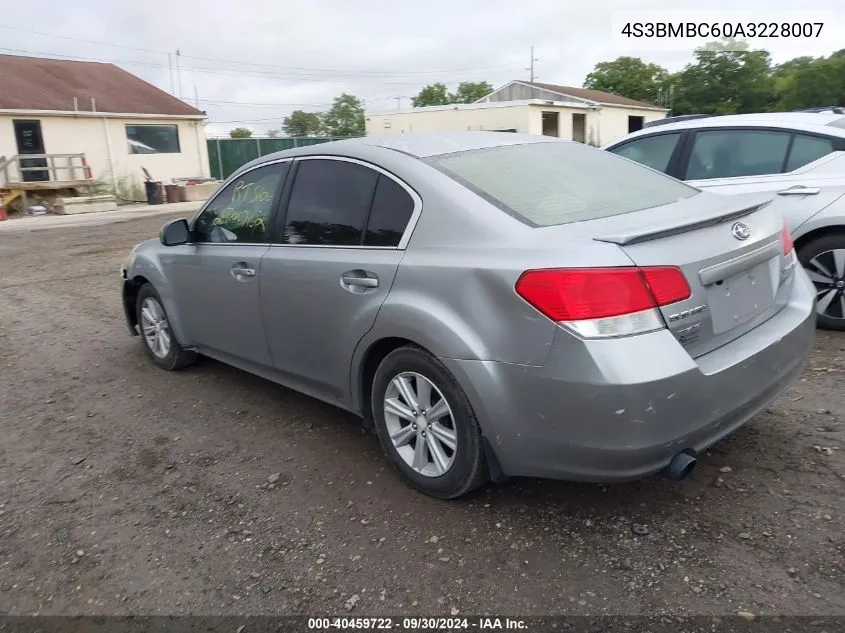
x=94 y=121
x=579 y=114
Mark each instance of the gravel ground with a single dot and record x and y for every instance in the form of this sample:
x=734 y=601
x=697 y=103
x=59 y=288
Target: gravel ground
x=127 y=489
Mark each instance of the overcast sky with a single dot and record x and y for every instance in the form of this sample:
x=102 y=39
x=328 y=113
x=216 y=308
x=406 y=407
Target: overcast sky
x=251 y=62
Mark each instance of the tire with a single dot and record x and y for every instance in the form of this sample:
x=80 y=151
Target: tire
x=818 y=257
x=176 y=357
x=454 y=436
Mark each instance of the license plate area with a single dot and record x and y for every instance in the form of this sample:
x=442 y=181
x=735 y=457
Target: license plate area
x=741 y=297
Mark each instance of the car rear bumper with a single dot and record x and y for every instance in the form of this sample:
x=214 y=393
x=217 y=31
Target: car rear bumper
x=616 y=410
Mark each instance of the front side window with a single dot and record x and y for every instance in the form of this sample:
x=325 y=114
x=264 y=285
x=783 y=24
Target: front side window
x=153 y=139
x=651 y=151
x=329 y=203
x=241 y=212
x=551 y=183
x=735 y=153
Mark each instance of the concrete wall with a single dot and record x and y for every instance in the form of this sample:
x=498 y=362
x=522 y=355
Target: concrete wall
x=450 y=119
x=603 y=125
x=104 y=143
x=612 y=123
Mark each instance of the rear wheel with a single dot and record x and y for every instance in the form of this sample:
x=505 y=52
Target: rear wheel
x=158 y=339
x=824 y=260
x=426 y=425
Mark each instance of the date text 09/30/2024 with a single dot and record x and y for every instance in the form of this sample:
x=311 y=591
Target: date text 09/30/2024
x=417 y=624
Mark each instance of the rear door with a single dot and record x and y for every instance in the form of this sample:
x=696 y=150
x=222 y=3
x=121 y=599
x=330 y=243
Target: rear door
x=331 y=266
x=743 y=160
x=730 y=250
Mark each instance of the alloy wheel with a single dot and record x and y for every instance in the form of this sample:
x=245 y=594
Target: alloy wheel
x=827 y=272
x=155 y=328
x=420 y=424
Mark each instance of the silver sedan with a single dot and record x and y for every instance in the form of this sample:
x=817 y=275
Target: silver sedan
x=491 y=304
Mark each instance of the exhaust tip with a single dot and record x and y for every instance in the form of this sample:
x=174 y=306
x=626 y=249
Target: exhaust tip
x=680 y=466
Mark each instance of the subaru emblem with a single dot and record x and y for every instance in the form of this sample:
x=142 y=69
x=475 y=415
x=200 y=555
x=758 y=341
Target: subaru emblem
x=741 y=231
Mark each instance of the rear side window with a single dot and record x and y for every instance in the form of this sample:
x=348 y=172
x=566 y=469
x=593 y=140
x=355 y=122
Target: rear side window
x=391 y=211
x=735 y=153
x=329 y=203
x=806 y=149
x=545 y=184
x=652 y=151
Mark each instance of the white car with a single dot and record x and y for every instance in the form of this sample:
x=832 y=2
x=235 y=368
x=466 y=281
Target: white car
x=799 y=157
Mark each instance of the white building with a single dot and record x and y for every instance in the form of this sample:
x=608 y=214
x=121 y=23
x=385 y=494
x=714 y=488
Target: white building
x=92 y=118
x=579 y=114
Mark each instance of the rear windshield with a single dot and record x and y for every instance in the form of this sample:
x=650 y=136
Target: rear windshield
x=545 y=184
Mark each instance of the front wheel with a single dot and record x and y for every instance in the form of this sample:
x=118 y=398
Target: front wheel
x=426 y=425
x=824 y=260
x=158 y=339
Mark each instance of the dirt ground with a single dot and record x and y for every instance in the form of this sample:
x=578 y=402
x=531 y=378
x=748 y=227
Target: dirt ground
x=125 y=489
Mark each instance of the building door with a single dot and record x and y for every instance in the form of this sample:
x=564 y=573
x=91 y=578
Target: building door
x=579 y=127
x=29 y=140
x=635 y=123
x=550 y=124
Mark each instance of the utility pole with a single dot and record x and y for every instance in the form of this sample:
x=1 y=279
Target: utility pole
x=398 y=103
x=170 y=64
x=178 y=74
x=531 y=67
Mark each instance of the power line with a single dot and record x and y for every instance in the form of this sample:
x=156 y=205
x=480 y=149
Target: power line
x=373 y=73
x=285 y=105
x=226 y=72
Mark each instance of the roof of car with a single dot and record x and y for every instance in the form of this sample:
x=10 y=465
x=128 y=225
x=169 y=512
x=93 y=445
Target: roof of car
x=423 y=144
x=805 y=121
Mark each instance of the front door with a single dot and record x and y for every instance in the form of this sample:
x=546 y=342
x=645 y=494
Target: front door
x=323 y=284
x=29 y=141
x=216 y=277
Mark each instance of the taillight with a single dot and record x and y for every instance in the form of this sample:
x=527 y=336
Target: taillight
x=600 y=302
x=786 y=240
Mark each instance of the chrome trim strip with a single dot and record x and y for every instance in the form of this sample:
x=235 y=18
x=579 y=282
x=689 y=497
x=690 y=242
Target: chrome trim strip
x=723 y=270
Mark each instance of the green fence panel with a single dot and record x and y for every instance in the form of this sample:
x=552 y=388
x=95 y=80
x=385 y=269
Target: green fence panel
x=227 y=155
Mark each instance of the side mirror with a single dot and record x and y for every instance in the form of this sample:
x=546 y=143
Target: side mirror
x=175 y=233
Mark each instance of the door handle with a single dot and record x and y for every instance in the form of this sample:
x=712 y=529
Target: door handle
x=242 y=269
x=799 y=191
x=366 y=282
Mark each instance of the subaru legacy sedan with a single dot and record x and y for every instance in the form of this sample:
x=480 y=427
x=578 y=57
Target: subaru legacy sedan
x=491 y=304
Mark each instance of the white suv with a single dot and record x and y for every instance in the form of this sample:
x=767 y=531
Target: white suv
x=797 y=156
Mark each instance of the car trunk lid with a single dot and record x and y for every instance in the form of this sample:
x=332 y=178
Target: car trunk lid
x=730 y=252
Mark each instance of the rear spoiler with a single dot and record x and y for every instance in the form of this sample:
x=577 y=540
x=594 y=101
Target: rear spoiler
x=676 y=226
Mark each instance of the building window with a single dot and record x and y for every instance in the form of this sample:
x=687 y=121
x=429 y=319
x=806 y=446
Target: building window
x=153 y=139
x=635 y=123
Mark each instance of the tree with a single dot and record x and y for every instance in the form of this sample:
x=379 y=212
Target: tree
x=470 y=92
x=273 y=133
x=806 y=82
x=724 y=80
x=240 y=132
x=345 y=117
x=628 y=77
x=301 y=123
x=432 y=94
